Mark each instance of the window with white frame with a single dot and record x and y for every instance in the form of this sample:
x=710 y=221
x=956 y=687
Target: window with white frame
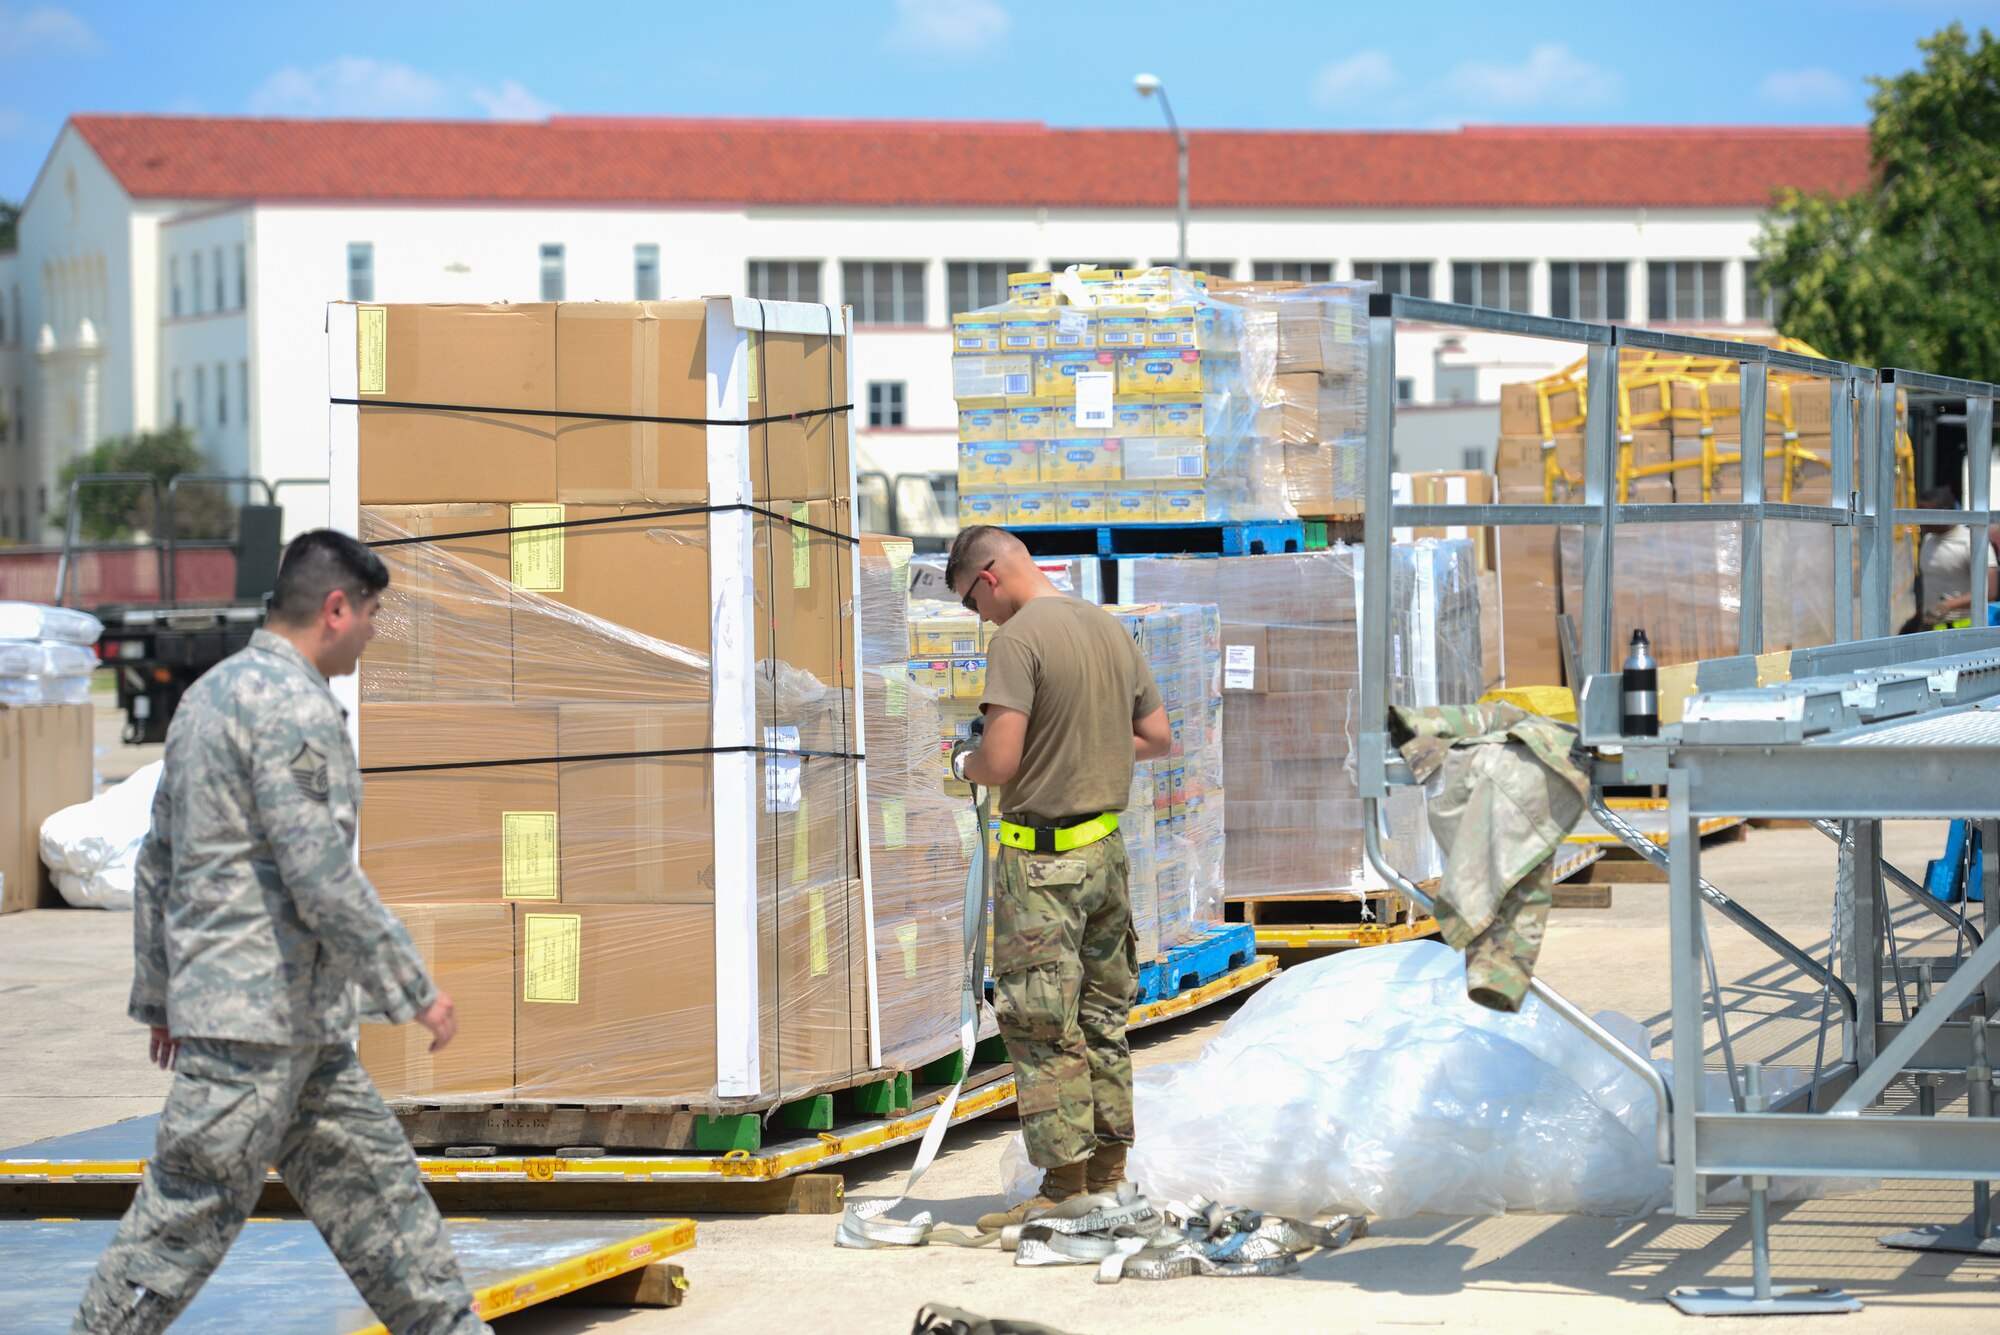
x=552 y=271
x=1214 y=268
x=973 y=285
x=1678 y=291
x=784 y=280
x=1292 y=271
x=646 y=271
x=361 y=271
x=884 y=291
x=885 y=401
x=242 y=281
x=1588 y=290
x=1500 y=285
x=1403 y=278
x=194 y=294
x=1757 y=303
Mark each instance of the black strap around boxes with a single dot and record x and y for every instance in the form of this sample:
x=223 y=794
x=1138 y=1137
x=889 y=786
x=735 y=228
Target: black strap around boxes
x=486 y=411
x=613 y=755
x=635 y=517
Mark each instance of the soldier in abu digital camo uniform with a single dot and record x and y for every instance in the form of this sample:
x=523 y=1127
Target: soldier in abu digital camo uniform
x=252 y=930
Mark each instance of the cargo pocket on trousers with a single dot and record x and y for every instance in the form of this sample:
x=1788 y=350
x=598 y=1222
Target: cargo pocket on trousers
x=1038 y=1002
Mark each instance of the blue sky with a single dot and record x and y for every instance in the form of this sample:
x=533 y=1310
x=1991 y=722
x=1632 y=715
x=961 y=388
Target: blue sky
x=1251 y=64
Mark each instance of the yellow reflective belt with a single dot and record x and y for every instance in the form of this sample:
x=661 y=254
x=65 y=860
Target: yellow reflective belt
x=1068 y=838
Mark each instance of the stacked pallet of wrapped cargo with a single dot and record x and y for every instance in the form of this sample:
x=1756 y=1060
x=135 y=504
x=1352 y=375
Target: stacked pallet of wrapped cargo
x=46 y=737
x=1291 y=692
x=1112 y=396
x=610 y=736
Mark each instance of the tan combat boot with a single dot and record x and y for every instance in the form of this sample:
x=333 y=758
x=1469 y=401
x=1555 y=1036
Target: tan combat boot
x=1058 y=1185
x=1105 y=1168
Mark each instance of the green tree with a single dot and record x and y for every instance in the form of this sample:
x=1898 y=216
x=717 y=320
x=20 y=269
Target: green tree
x=113 y=511
x=1907 y=272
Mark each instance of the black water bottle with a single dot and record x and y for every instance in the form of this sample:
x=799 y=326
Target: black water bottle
x=1641 y=680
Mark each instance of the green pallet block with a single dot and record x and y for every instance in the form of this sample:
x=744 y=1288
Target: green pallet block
x=810 y=1114
x=992 y=1049
x=1316 y=535
x=944 y=1071
x=882 y=1098
x=741 y=1131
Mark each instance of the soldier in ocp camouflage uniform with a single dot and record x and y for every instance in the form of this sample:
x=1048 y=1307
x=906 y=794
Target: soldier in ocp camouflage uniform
x=252 y=927
x=1069 y=705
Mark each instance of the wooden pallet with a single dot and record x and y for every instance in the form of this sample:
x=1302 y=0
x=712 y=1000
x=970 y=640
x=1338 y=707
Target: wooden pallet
x=1316 y=910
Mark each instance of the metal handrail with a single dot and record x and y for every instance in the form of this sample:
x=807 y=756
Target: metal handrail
x=172 y=592
x=73 y=522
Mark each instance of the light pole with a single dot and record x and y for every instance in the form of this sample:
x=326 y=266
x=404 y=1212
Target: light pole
x=1149 y=85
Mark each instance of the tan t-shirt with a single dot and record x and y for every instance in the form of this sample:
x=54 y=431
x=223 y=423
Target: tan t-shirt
x=1071 y=668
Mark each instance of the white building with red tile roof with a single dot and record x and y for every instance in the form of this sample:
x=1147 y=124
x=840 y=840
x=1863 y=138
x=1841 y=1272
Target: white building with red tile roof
x=177 y=267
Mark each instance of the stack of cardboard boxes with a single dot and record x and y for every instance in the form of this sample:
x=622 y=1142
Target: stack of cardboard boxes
x=608 y=629
x=46 y=754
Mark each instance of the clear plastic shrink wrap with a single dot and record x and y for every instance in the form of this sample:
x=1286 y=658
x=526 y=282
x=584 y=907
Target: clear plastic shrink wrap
x=1291 y=695
x=1103 y=396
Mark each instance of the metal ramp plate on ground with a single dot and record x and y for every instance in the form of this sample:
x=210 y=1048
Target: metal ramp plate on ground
x=280 y=1279
x=114 y=1156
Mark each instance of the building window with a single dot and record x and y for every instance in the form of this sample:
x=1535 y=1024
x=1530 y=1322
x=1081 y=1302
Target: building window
x=1057 y=266
x=174 y=286
x=1472 y=458
x=1587 y=290
x=19 y=333
x=1758 y=304
x=194 y=294
x=221 y=395
x=973 y=285
x=885 y=402
x=1403 y=278
x=42 y=500
x=180 y=409
x=884 y=291
x=1214 y=268
x=1683 y=290
x=243 y=391
x=221 y=294
x=784 y=280
x=645 y=272
x=1292 y=271
x=1406 y=389
x=552 y=271
x=1497 y=285
x=361 y=271
x=242 y=281
x=200 y=397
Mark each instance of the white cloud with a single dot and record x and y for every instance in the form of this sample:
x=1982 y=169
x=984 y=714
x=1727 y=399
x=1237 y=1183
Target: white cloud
x=1803 y=88
x=950 y=27
x=1551 y=77
x=351 y=86
x=45 y=28
x=511 y=102
x=1356 y=79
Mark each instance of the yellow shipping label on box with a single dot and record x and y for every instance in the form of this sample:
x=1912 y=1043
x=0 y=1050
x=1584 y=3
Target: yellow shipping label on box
x=530 y=855
x=907 y=936
x=1031 y=508
x=1174 y=327
x=981 y=507
x=1131 y=505
x=932 y=672
x=895 y=823
x=998 y=463
x=1081 y=507
x=968 y=677
x=983 y=419
x=1055 y=372
x=1031 y=289
x=1165 y=459
x=1034 y=419
x=1083 y=461
x=1123 y=327
x=1132 y=415
x=975 y=334
x=822 y=955
x=992 y=377
x=371 y=349
x=1164 y=372
x=1177 y=415
x=551 y=957
x=1183 y=505
x=535 y=548
x=1073 y=329
x=1026 y=331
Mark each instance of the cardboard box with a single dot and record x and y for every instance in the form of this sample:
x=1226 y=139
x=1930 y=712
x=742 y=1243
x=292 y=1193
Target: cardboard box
x=981 y=507
x=1055 y=372
x=1085 y=461
x=983 y=419
x=1032 y=508
x=55 y=747
x=1182 y=505
x=1178 y=415
x=468 y=950
x=999 y=463
x=1081 y=507
x=636 y=831
x=1031 y=419
x=445 y=630
x=1532 y=597
x=975 y=333
x=20 y=851
x=1456 y=488
x=1131 y=505
x=1246 y=660
x=1165 y=459
x=998 y=375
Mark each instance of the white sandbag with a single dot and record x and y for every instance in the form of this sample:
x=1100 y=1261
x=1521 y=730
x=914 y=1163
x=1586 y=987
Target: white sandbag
x=19 y=692
x=45 y=658
x=92 y=848
x=39 y=621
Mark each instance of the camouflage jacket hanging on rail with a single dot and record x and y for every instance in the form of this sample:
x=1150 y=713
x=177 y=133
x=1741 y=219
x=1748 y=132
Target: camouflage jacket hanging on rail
x=1505 y=787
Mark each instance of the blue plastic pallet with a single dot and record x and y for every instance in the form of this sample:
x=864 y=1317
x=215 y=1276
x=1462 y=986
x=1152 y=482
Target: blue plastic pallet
x=1219 y=951
x=1122 y=540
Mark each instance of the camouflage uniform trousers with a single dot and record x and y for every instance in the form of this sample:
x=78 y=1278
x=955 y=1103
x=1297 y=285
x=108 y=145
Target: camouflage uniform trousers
x=1500 y=961
x=1065 y=967
x=234 y=1110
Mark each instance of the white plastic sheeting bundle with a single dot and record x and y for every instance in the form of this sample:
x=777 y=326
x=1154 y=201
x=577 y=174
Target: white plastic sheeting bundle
x=92 y=848
x=45 y=656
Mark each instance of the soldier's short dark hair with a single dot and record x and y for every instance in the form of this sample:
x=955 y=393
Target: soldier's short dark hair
x=974 y=547
x=317 y=563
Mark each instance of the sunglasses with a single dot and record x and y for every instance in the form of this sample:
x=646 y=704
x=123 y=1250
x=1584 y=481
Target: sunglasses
x=972 y=588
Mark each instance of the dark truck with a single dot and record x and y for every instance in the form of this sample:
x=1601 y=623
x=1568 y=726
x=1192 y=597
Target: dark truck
x=158 y=646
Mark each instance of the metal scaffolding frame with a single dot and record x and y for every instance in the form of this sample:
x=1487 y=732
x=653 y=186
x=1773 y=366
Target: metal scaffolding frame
x=1868 y=728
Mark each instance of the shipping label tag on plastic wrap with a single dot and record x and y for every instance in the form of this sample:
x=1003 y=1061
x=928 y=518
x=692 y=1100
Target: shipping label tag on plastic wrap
x=895 y=823
x=371 y=349
x=1239 y=667
x=552 y=957
x=899 y=554
x=1070 y=320
x=1343 y=323
x=750 y=363
x=1093 y=400
x=896 y=690
x=968 y=830
x=530 y=855
x=782 y=774
x=535 y=548
x=906 y=937
x=927 y=583
x=801 y=844
x=816 y=918
x=802 y=550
